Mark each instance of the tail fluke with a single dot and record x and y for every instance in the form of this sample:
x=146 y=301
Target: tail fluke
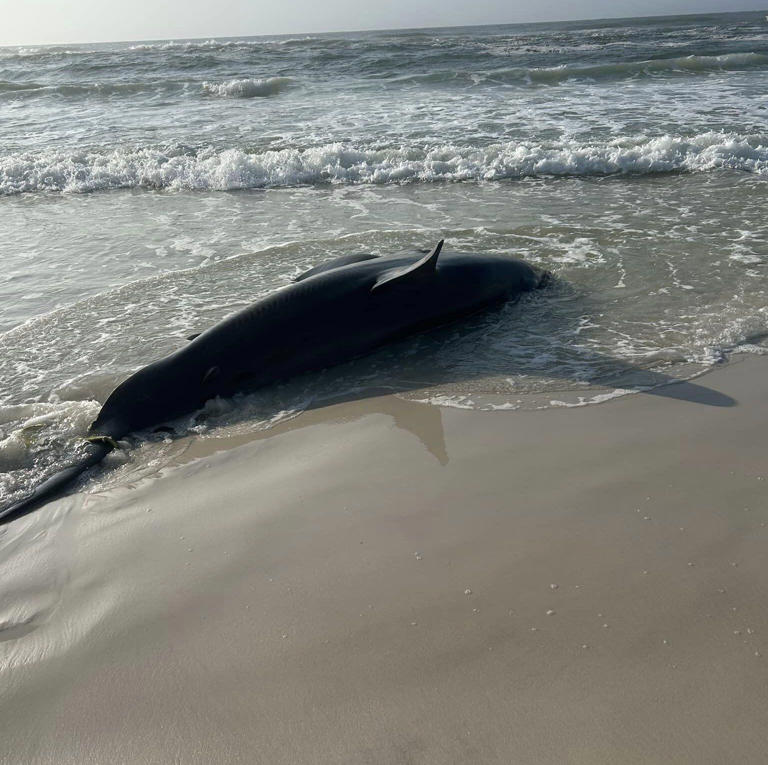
x=97 y=449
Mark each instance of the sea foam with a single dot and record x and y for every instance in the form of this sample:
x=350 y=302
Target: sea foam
x=211 y=169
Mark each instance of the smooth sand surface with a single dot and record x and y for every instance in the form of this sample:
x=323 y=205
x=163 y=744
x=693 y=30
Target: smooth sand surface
x=388 y=582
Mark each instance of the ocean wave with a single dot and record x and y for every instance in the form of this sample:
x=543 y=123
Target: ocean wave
x=13 y=87
x=192 y=46
x=45 y=51
x=250 y=43
x=211 y=169
x=162 y=46
x=248 y=88
x=18 y=90
x=245 y=88
x=181 y=45
x=555 y=75
x=680 y=64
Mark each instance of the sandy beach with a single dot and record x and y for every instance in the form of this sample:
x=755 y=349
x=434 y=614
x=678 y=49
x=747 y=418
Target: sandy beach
x=309 y=532
x=383 y=581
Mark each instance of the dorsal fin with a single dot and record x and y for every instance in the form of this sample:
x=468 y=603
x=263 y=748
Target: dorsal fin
x=418 y=270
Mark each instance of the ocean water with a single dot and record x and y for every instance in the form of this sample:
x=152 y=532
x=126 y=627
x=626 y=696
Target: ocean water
x=149 y=189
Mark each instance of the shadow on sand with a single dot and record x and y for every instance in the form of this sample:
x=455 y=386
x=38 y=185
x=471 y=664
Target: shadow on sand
x=356 y=389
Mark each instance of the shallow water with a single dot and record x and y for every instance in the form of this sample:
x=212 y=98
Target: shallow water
x=148 y=190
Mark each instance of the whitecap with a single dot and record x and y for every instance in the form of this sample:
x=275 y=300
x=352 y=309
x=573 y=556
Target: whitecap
x=213 y=169
x=248 y=88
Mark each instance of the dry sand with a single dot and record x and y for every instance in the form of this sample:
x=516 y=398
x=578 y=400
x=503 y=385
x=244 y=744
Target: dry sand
x=388 y=582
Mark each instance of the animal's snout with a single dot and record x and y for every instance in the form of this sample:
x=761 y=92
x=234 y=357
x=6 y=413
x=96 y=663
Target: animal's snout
x=545 y=277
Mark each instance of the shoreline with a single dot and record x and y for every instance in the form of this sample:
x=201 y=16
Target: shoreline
x=387 y=581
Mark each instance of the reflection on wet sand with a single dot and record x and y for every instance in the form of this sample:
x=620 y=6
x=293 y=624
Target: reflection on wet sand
x=424 y=421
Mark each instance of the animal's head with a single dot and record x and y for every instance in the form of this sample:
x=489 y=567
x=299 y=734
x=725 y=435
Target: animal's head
x=154 y=395
x=518 y=275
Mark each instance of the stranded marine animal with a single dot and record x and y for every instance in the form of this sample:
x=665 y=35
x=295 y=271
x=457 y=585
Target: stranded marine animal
x=332 y=313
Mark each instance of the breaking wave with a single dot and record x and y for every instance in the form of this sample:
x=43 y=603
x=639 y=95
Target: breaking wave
x=211 y=169
x=247 y=43
x=248 y=88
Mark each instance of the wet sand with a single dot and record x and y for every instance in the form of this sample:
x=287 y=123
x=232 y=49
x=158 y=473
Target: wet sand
x=384 y=581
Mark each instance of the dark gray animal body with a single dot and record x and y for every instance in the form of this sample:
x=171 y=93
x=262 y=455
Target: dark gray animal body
x=332 y=313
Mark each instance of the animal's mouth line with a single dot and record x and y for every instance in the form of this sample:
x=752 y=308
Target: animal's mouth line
x=105 y=440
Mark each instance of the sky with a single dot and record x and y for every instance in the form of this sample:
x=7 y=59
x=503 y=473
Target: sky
x=34 y=22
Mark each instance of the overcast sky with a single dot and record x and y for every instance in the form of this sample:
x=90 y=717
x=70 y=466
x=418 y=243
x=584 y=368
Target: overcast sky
x=25 y=22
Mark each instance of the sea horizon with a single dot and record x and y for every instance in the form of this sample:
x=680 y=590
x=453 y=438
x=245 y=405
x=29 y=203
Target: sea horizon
x=228 y=37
